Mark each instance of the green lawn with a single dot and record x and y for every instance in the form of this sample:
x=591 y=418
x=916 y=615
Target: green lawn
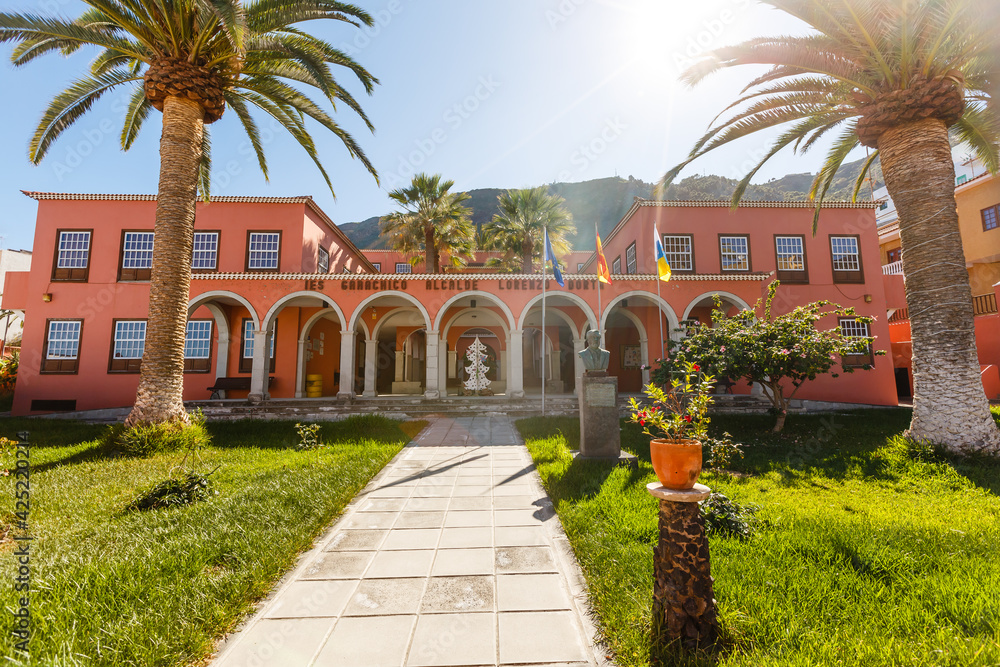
x=158 y=587
x=871 y=553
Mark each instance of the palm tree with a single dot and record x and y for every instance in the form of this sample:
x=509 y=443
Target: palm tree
x=518 y=228
x=190 y=59
x=433 y=220
x=893 y=75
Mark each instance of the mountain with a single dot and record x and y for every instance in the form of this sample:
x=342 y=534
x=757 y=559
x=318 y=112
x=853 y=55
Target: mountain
x=603 y=201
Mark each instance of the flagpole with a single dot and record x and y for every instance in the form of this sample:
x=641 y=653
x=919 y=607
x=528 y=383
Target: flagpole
x=659 y=299
x=599 y=309
x=659 y=310
x=543 y=322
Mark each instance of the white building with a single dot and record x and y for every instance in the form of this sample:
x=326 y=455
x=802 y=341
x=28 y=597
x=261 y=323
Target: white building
x=11 y=324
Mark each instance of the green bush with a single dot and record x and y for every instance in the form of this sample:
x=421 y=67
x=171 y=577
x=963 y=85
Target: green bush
x=174 y=492
x=728 y=518
x=147 y=439
x=8 y=372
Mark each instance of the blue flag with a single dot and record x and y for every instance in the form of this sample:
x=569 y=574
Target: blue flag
x=549 y=256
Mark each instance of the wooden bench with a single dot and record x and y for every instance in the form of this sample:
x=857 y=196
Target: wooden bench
x=234 y=383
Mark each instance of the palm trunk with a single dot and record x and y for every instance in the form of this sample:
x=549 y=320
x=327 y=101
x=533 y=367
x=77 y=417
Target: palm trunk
x=949 y=404
x=526 y=258
x=160 y=396
x=430 y=252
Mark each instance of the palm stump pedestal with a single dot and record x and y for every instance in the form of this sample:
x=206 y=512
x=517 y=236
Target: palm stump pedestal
x=683 y=591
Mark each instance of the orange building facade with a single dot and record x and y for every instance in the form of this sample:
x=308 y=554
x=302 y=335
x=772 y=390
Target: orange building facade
x=279 y=294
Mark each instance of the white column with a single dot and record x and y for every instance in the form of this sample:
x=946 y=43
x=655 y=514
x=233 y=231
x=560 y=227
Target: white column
x=644 y=355
x=300 y=371
x=502 y=366
x=346 y=364
x=515 y=379
x=371 y=356
x=578 y=345
x=260 y=370
x=442 y=368
x=431 y=382
x=222 y=356
x=400 y=361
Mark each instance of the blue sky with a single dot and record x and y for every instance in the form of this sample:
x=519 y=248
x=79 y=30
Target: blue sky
x=490 y=93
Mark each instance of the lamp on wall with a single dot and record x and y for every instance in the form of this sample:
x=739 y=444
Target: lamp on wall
x=868 y=298
x=47 y=297
x=374 y=314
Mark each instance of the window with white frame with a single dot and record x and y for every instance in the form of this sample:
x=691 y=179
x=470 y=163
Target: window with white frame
x=263 y=251
x=790 y=258
x=198 y=346
x=128 y=345
x=62 y=347
x=205 y=256
x=323 y=261
x=679 y=251
x=246 y=345
x=137 y=256
x=579 y=267
x=851 y=329
x=72 y=255
x=845 y=256
x=378 y=267
x=630 y=264
x=734 y=252
x=616 y=266
x=403 y=267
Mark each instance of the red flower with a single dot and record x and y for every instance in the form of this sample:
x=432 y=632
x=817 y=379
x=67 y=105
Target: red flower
x=696 y=368
x=687 y=418
x=642 y=422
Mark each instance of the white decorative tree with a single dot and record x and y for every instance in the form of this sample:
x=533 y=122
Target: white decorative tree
x=476 y=370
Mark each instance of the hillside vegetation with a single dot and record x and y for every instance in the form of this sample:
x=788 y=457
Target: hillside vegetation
x=603 y=201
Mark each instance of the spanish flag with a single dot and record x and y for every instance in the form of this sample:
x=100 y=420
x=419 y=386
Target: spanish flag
x=602 y=264
x=662 y=266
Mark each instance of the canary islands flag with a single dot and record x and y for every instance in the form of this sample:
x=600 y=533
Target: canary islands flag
x=662 y=266
x=551 y=257
x=602 y=264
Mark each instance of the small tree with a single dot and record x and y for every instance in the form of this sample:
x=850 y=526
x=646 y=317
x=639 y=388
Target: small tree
x=774 y=351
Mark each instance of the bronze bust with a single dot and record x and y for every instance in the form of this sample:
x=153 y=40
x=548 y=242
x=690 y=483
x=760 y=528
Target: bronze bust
x=594 y=358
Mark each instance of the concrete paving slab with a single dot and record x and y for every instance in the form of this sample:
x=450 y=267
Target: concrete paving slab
x=452 y=556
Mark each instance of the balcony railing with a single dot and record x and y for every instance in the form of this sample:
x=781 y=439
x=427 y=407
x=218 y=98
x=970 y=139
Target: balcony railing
x=893 y=269
x=984 y=304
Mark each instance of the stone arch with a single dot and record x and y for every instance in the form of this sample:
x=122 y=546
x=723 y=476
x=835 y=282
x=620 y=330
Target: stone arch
x=574 y=298
x=665 y=307
x=359 y=310
x=279 y=304
x=374 y=331
x=476 y=293
x=206 y=297
x=725 y=295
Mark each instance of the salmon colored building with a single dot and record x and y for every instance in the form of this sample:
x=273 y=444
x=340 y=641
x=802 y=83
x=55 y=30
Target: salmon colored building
x=279 y=294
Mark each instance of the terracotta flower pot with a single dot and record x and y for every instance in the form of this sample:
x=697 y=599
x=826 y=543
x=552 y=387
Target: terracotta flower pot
x=677 y=463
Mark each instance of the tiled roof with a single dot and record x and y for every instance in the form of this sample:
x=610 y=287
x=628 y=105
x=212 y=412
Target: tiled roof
x=107 y=197
x=719 y=203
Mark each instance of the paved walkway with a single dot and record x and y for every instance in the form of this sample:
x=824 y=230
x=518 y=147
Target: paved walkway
x=451 y=556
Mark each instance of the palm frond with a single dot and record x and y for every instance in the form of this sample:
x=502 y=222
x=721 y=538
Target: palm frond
x=980 y=129
x=70 y=105
x=135 y=115
x=846 y=143
x=205 y=166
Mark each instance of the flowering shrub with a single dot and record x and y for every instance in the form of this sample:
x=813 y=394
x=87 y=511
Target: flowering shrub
x=773 y=351
x=680 y=413
x=8 y=372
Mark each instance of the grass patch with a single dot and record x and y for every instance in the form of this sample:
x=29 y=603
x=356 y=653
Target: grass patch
x=157 y=587
x=870 y=551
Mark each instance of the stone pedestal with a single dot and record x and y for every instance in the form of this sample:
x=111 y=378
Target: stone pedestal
x=600 y=432
x=683 y=590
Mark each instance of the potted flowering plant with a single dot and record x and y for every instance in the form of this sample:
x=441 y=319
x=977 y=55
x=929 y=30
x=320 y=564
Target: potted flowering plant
x=677 y=421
